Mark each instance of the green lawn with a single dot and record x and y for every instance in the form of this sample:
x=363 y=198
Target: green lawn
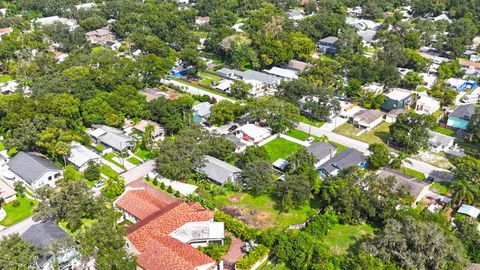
x=96 y=48
x=134 y=161
x=308 y=121
x=2 y=146
x=5 y=78
x=341 y=237
x=143 y=154
x=442 y=188
x=19 y=213
x=281 y=148
x=444 y=131
x=378 y=135
x=340 y=147
x=298 y=134
x=110 y=157
x=414 y=173
x=208 y=79
x=100 y=147
x=86 y=222
x=204 y=88
x=107 y=171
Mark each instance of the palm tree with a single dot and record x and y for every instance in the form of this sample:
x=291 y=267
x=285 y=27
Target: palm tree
x=463 y=192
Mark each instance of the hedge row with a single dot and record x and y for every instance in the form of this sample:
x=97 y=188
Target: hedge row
x=237 y=227
x=252 y=258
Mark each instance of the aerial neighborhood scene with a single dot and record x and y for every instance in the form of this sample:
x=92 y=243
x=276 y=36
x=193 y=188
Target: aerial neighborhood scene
x=240 y=134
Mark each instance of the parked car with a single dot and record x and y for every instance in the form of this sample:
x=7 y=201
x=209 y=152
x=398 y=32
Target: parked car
x=429 y=180
x=310 y=139
x=100 y=183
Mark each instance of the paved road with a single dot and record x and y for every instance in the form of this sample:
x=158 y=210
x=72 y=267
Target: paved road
x=138 y=172
x=19 y=228
x=417 y=165
x=194 y=90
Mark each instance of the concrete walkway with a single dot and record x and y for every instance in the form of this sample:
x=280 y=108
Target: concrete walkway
x=295 y=140
x=267 y=140
x=111 y=165
x=184 y=188
x=19 y=228
x=195 y=90
x=138 y=172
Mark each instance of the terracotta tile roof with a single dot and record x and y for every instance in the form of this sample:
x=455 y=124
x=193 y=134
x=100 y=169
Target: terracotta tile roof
x=169 y=253
x=468 y=63
x=6 y=30
x=142 y=200
x=166 y=221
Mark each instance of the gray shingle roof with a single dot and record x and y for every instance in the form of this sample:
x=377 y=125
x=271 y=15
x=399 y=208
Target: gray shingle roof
x=463 y=111
x=31 y=166
x=321 y=149
x=413 y=185
x=344 y=160
x=329 y=40
x=43 y=234
x=437 y=139
x=217 y=170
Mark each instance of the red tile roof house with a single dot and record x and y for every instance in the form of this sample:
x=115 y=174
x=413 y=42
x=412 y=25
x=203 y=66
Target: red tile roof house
x=166 y=231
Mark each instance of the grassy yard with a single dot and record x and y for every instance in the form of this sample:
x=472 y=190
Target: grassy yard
x=134 y=160
x=204 y=88
x=298 y=134
x=96 y=48
x=340 y=147
x=378 y=135
x=109 y=172
x=5 y=78
x=110 y=157
x=308 y=121
x=208 y=79
x=143 y=154
x=281 y=148
x=442 y=188
x=18 y=213
x=341 y=237
x=444 y=131
x=85 y=223
x=2 y=146
x=261 y=212
x=100 y=147
x=414 y=173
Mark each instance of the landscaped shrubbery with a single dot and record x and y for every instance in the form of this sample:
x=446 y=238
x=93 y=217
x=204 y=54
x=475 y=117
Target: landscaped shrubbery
x=252 y=258
x=237 y=227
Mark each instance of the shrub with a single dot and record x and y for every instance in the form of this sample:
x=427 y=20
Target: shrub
x=252 y=258
x=177 y=194
x=16 y=203
x=205 y=203
x=92 y=172
x=155 y=182
x=162 y=186
x=169 y=189
x=215 y=251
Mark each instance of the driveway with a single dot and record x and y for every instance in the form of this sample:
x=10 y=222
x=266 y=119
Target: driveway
x=138 y=172
x=195 y=90
x=19 y=228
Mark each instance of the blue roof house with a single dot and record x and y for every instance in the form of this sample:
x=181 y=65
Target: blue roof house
x=460 y=117
x=178 y=72
x=461 y=85
x=201 y=112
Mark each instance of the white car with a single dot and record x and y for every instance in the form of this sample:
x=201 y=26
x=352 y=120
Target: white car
x=310 y=139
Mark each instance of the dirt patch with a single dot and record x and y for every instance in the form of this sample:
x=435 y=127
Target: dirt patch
x=234 y=198
x=435 y=159
x=263 y=215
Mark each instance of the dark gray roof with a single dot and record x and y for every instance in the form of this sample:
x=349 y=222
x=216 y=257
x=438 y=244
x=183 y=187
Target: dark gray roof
x=330 y=40
x=31 y=166
x=343 y=160
x=414 y=186
x=217 y=170
x=321 y=149
x=463 y=111
x=43 y=234
x=235 y=140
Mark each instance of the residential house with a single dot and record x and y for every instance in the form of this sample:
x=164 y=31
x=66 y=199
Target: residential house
x=427 y=105
x=179 y=71
x=111 y=137
x=252 y=134
x=224 y=85
x=9 y=87
x=368 y=119
x=166 y=231
x=472 y=68
x=34 y=169
x=218 y=171
x=469 y=210
x=80 y=156
x=7 y=193
x=440 y=142
x=374 y=88
x=86 y=6
x=297 y=66
x=5 y=31
x=284 y=74
x=201 y=20
x=323 y=151
x=347 y=158
x=43 y=235
x=368 y=36
x=355 y=11
x=362 y=24
x=201 y=112
x=158 y=132
x=295 y=15
x=391 y=116
x=461 y=116
x=240 y=145
x=442 y=17
x=460 y=84
x=397 y=98
x=113 y=44
x=418 y=189
x=328 y=45
x=260 y=81
x=72 y=24
x=99 y=36
x=59 y=56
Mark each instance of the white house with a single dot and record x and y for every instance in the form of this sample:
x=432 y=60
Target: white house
x=252 y=134
x=439 y=142
x=368 y=119
x=72 y=24
x=469 y=210
x=34 y=169
x=284 y=74
x=427 y=105
x=80 y=156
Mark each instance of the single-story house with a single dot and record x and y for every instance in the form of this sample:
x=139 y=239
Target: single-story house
x=343 y=160
x=113 y=44
x=111 y=137
x=439 y=142
x=470 y=67
x=224 y=85
x=368 y=36
x=328 y=45
x=397 y=98
x=158 y=132
x=469 y=210
x=297 y=66
x=252 y=134
x=258 y=80
x=43 y=235
x=218 y=171
x=9 y=87
x=34 y=169
x=323 y=151
x=7 y=193
x=284 y=74
x=178 y=71
x=99 y=36
x=374 y=88
x=201 y=112
x=460 y=84
x=368 y=119
x=80 y=156
x=72 y=24
x=461 y=116
x=418 y=189
x=391 y=116
x=427 y=105
x=240 y=145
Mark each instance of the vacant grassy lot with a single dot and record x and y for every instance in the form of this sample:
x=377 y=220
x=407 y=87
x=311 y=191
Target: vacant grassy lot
x=341 y=237
x=208 y=79
x=134 y=160
x=204 y=88
x=414 y=173
x=378 y=135
x=18 y=213
x=109 y=172
x=281 y=148
x=442 y=188
x=444 y=131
